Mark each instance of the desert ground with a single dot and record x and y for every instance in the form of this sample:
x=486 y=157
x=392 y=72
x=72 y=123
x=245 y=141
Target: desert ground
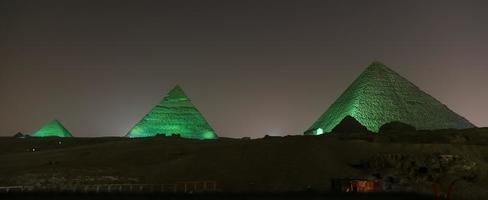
x=454 y=161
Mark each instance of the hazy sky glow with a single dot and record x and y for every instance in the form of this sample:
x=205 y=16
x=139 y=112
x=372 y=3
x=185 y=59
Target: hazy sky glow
x=251 y=67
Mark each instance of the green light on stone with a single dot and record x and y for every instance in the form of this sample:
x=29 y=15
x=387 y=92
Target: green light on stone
x=319 y=131
x=174 y=115
x=52 y=129
x=379 y=96
x=209 y=135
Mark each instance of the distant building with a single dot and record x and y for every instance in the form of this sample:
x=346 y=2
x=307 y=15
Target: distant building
x=379 y=96
x=52 y=129
x=175 y=115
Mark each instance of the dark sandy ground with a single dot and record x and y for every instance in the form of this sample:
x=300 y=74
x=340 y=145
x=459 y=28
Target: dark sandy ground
x=402 y=161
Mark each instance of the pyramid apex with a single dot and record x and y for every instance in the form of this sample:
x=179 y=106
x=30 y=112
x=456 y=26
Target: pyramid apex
x=377 y=62
x=377 y=65
x=176 y=93
x=54 y=122
x=177 y=87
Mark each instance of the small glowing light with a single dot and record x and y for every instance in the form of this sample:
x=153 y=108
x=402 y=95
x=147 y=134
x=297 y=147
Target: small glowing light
x=319 y=131
x=33 y=149
x=59 y=142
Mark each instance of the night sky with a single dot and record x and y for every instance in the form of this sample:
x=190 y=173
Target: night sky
x=251 y=67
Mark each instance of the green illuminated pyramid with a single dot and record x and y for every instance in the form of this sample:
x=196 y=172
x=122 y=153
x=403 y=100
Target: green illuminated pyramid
x=175 y=115
x=379 y=96
x=52 y=129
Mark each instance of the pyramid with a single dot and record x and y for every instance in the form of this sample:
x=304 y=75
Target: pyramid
x=174 y=115
x=349 y=125
x=19 y=135
x=379 y=96
x=52 y=129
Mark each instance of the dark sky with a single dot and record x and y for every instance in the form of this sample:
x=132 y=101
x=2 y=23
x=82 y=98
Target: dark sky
x=251 y=67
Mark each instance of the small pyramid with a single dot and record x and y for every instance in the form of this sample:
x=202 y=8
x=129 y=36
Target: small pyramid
x=395 y=126
x=52 y=129
x=349 y=125
x=19 y=135
x=174 y=115
x=379 y=96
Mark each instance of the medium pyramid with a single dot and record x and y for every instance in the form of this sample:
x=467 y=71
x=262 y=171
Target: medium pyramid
x=379 y=96
x=175 y=114
x=52 y=129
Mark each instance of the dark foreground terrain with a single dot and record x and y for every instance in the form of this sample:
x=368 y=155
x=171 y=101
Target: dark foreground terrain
x=237 y=196
x=422 y=162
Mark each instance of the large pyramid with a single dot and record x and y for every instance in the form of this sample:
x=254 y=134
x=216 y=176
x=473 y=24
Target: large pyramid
x=174 y=115
x=380 y=95
x=52 y=129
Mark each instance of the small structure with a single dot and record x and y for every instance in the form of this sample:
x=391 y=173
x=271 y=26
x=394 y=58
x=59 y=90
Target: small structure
x=19 y=135
x=355 y=185
x=395 y=127
x=349 y=125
